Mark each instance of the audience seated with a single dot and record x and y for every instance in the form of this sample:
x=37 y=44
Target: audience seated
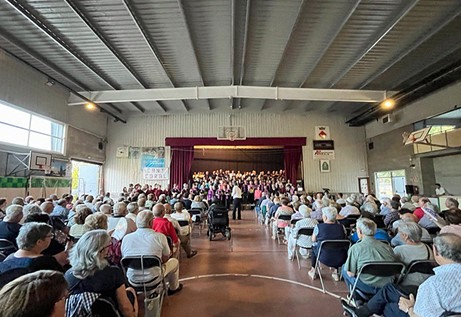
x=279 y=223
x=91 y=274
x=397 y=240
x=60 y=210
x=9 y=227
x=163 y=225
x=367 y=249
x=42 y=293
x=133 y=210
x=412 y=249
x=184 y=233
x=439 y=294
x=146 y=241
x=330 y=229
x=119 y=212
x=78 y=229
x=303 y=241
x=33 y=239
x=96 y=221
x=453 y=219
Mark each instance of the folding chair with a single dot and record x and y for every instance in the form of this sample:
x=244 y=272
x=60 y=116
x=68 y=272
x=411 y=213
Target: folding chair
x=154 y=293
x=7 y=247
x=450 y=313
x=306 y=232
x=378 y=268
x=198 y=222
x=419 y=266
x=280 y=230
x=339 y=247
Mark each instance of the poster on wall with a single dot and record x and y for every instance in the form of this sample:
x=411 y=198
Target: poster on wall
x=323 y=154
x=325 y=166
x=155 y=174
x=153 y=157
x=322 y=133
x=122 y=152
x=134 y=152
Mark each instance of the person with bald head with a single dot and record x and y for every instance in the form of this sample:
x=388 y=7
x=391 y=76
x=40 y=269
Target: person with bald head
x=163 y=225
x=146 y=241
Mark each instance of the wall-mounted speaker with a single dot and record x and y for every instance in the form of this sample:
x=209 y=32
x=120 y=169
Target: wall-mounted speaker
x=101 y=146
x=371 y=146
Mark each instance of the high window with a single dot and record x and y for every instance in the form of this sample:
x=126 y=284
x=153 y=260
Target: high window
x=23 y=128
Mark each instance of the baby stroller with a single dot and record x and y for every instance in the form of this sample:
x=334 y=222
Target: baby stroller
x=218 y=222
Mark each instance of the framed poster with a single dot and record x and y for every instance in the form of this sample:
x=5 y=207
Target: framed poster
x=325 y=166
x=364 y=185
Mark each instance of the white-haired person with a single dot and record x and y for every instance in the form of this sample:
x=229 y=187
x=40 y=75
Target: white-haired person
x=133 y=210
x=437 y=296
x=145 y=241
x=350 y=208
x=32 y=240
x=184 y=233
x=42 y=293
x=119 y=212
x=330 y=229
x=91 y=273
x=302 y=241
x=9 y=227
x=367 y=249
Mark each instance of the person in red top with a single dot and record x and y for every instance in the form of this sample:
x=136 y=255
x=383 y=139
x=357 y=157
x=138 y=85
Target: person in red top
x=163 y=225
x=419 y=211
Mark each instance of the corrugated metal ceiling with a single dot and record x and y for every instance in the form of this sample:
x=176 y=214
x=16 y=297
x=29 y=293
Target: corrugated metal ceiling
x=136 y=44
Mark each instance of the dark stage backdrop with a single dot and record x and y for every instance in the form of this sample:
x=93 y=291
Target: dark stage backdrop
x=242 y=160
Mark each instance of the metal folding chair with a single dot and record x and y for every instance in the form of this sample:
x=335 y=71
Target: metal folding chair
x=7 y=247
x=281 y=230
x=331 y=246
x=306 y=232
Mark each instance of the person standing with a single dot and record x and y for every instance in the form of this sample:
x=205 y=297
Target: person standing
x=237 y=201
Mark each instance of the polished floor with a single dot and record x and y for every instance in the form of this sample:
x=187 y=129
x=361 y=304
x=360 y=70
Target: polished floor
x=250 y=275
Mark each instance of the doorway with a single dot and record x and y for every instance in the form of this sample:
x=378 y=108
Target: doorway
x=389 y=183
x=85 y=178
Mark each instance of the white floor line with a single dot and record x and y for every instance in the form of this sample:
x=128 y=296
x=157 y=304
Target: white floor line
x=263 y=277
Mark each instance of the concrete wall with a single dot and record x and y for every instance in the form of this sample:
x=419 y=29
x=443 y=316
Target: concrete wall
x=350 y=162
x=448 y=173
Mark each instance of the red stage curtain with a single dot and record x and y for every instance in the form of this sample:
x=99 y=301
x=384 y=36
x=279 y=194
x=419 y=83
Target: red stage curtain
x=181 y=162
x=292 y=158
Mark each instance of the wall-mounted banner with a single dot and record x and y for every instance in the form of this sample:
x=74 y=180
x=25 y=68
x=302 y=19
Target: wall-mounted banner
x=324 y=154
x=155 y=174
x=153 y=157
x=322 y=133
x=324 y=145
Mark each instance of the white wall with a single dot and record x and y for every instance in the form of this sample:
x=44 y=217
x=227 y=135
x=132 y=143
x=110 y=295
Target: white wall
x=448 y=173
x=438 y=102
x=24 y=87
x=349 y=164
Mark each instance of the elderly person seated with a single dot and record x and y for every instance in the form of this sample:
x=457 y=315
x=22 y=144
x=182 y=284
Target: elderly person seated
x=146 y=241
x=430 y=218
x=33 y=239
x=91 y=273
x=369 y=205
x=397 y=239
x=184 y=233
x=303 y=241
x=163 y=225
x=41 y=293
x=78 y=229
x=437 y=296
x=330 y=229
x=393 y=214
x=279 y=223
x=453 y=219
x=9 y=227
x=367 y=249
x=133 y=210
x=119 y=212
x=412 y=249
x=350 y=208
x=96 y=221
x=385 y=206
x=450 y=203
x=60 y=209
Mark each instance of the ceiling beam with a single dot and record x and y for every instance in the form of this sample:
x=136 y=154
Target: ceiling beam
x=285 y=50
x=53 y=36
x=109 y=46
x=150 y=44
x=237 y=103
x=189 y=36
x=330 y=42
x=251 y=92
x=67 y=77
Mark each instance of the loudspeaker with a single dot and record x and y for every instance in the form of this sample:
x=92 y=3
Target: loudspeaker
x=412 y=189
x=101 y=146
x=371 y=146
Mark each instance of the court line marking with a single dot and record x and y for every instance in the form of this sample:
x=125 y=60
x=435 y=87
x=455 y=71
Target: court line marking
x=262 y=277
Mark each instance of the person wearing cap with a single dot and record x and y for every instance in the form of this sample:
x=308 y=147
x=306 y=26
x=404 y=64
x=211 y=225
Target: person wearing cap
x=60 y=209
x=303 y=241
x=349 y=209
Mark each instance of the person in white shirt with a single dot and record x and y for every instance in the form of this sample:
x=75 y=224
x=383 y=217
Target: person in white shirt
x=237 y=202
x=184 y=233
x=146 y=241
x=439 y=190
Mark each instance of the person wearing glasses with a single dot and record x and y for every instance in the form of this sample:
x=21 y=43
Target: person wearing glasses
x=32 y=240
x=41 y=293
x=91 y=275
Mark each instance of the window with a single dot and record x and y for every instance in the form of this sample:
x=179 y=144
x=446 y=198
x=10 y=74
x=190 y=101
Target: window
x=389 y=183
x=438 y=129
x=22 y=128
